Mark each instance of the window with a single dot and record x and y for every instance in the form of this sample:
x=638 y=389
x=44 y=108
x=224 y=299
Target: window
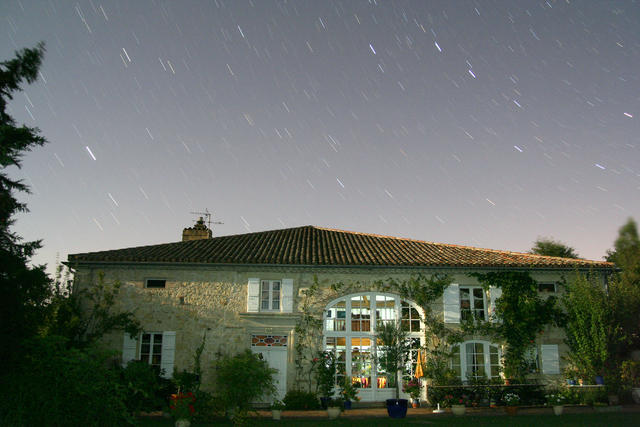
x=475 y=359
x=270 y=295
x=547 y=287
x=472 y=303
x=156 y=283
x=349 y=331
x=531 y=360
x=154 y=348
x=151 y=349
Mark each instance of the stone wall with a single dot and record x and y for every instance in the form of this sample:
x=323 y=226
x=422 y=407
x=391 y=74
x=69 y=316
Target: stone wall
x=200 y=299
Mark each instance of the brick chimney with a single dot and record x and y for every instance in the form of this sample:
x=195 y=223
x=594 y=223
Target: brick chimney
x=198 y=232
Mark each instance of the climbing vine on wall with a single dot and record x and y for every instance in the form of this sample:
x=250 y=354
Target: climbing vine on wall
x=521 y=315
x=425 y=291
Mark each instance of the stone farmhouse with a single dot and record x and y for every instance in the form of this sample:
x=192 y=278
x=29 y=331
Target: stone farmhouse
x=250 y=291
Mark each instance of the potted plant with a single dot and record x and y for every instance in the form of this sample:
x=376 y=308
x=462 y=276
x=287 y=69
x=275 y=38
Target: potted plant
x=349 y=393
x=325 y=371
x=393 y=354
x=511 y=400
x=334 y=407
x=182 y=409
x=276 y=409
x=631 y=377
x=412 y=388
x=458 y=403
x=556 y=400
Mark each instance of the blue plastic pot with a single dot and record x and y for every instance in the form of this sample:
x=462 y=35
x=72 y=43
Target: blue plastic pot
x=347 y=404
x=397 y=408
x=599 y=380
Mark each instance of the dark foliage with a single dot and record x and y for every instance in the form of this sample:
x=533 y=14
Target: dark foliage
x=297 y=400
x=549 y=247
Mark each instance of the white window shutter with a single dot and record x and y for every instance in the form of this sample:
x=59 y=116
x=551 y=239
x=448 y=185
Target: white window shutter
x=494 y=294
x=451 y=300
x=168 y=353
x=287 y=295
x=550 y=359
x=129 y=349
x=253 y=295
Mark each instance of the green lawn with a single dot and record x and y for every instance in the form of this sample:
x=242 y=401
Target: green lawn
x=578 y=420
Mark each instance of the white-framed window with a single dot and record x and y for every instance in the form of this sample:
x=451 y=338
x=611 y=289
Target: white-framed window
x=350 y=329
x=473 y=304
x=531 y=360
x=476 y=359
x=270 y=295
x=153 y=347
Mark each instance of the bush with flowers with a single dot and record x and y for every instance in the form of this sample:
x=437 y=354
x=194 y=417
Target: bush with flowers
x=348 y=391
x=556 y=398
x=412 y=387
x=511 y=399
x=450 y=400
x=181 y=405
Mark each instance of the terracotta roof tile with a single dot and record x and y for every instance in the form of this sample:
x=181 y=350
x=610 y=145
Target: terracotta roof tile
x=311 y=245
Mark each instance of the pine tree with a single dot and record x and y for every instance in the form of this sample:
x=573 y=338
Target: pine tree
x=25 y=289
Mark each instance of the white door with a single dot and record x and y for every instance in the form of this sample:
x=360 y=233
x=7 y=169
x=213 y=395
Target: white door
x=276 y=357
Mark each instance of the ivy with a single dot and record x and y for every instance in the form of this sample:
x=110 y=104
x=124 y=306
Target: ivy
x=520 y=313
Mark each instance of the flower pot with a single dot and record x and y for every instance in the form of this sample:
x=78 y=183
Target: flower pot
x=323 y=402
x=599 y=380
x=333 y=412
x=415 y=403
x=347 y=404
x=580 y=381
x=557 y=409
x=276 y=414
x=458 y=410
x=635 y=394
x=511 y=410
x=397 y=408
x=183 y=422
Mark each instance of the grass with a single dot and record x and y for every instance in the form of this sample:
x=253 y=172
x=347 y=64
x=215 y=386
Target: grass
x=577 y=420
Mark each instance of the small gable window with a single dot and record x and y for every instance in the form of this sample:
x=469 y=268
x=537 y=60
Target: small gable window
x=547 y=287
x=156 y=283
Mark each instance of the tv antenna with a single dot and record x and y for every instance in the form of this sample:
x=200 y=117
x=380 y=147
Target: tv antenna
x=208 y=215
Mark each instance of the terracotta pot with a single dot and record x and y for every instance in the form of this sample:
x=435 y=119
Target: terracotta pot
x=415 y=403
x=511 y=410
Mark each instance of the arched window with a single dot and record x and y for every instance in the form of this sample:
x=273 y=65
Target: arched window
x=476 y=359
x=349 y=331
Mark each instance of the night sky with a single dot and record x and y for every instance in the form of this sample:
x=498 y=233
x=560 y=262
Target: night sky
x=482 y=123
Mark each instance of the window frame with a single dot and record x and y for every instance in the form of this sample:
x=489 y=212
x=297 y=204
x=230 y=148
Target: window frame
x=472 y=300
x=341 y=326
x=152 y=279
x=152 y=345
x=486 y=353
x=270 y=293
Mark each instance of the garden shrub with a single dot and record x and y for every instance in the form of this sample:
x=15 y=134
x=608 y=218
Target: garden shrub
x=57 y=386
x=141 y=382
x=298 y=399
x=242 y=379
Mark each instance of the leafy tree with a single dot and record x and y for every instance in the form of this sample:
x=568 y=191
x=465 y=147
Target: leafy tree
x=626 y=253
x=83 y=316
x=549 y=247
x=603 y=323
x=25 y=289
x=394 y=351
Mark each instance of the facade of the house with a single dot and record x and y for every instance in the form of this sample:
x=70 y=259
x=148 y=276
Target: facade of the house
x=249 y=291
